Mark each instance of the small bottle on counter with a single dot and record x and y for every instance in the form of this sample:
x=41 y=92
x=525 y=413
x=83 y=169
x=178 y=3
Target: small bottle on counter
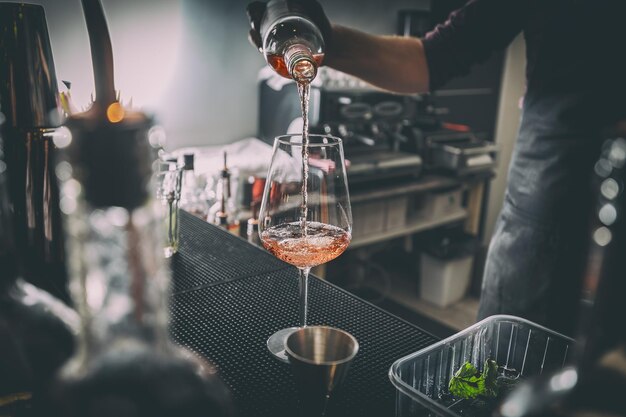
x=226 y=215
x=292 y=44
x=193 y=199
x=252 y=231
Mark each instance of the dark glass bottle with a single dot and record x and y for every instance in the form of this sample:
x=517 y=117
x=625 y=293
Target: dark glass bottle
x=28 y=99
x=595 y=383
x=292 y=44
x=36 y=329
x=125 y=361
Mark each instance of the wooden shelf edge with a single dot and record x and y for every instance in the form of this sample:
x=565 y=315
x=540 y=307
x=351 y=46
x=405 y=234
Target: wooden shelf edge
x=408 y=230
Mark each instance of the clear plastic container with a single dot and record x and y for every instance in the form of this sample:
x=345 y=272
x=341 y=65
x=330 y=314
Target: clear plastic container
x=520 y=348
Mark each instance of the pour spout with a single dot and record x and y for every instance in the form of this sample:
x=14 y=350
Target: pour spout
x=101 y=52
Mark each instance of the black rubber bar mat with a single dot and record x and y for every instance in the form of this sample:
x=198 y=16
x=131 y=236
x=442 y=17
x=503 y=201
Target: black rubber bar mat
x=208 y=255
x=228 y=322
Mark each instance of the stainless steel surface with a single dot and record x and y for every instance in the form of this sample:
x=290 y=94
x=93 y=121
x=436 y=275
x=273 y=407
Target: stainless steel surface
x=462 y=153
x=28 y=100
x=277 y=341
x=367 y=165
x=320 y=358
x=28 y=91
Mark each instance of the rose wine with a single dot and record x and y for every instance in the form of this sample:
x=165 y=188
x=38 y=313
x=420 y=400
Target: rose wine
x=304 y=90
x=321 y=244
x=297 y=62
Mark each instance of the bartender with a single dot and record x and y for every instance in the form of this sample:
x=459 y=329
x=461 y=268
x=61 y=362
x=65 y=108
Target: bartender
x=575 y=93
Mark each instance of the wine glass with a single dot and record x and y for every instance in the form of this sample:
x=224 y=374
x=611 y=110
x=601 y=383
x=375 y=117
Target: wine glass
x=305 y=229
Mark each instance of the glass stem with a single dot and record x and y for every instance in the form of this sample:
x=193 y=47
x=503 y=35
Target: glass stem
x=304 y=289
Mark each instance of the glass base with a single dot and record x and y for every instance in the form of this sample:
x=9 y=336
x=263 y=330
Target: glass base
x=276 y=343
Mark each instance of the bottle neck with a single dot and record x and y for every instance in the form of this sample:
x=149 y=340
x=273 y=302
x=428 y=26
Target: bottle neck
x=300 y=63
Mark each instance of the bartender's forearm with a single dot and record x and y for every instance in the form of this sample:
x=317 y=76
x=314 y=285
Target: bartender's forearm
x=391 y=62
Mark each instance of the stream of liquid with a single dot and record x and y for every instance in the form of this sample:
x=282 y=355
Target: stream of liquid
x=304 y=88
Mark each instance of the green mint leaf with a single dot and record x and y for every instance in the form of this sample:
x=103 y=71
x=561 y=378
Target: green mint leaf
x=467 y=382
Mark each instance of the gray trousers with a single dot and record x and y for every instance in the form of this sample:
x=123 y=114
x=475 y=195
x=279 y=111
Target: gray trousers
x=533 y=270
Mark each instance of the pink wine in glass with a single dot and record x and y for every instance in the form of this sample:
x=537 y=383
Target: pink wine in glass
x=321 y=243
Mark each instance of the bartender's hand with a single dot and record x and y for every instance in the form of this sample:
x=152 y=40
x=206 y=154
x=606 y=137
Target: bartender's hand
x=256 y=11
x=390 y=62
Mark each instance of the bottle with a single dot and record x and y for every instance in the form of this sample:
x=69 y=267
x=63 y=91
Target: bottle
x=595 y=383
x=36 y=329
x=225 y=209
x=192 y=197
x=125 y=363
x=252 y=232
x=120 y=283
x=292 y=44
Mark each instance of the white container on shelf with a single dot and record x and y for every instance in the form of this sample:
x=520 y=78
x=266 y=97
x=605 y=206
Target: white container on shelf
x=444 y=281
x=395 y=213
x=368 y=218
x=447 y=203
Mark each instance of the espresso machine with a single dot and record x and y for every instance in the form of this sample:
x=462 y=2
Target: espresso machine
x=369 y=121
x=386 y=135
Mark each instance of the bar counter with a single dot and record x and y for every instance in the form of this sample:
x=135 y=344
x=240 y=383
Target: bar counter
x=230 y=296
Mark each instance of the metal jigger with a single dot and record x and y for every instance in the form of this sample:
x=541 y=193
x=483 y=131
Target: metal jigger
x=320 y=357
x=28 y=100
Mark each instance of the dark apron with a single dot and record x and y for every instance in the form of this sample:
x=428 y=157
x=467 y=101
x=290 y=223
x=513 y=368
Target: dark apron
x=576 y=89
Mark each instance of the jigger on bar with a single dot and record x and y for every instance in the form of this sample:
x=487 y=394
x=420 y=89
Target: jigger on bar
x=320 y=358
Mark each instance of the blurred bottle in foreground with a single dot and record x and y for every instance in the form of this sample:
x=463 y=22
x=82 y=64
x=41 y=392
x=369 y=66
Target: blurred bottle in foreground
x=596 y=383
x=36 y=329
x=125 y=363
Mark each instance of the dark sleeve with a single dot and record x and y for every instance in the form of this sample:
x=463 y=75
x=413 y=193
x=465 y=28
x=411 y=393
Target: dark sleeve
x=471 y=34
